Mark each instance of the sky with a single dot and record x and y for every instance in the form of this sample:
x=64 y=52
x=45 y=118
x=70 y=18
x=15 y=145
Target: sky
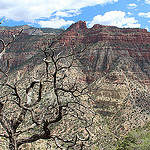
x=62 y=13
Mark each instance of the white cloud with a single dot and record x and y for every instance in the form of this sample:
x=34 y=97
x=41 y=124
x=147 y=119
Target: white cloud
x=132 y=6
x=55 y=23
x=69 y=13
x=147 y=1
x=30 y=10
x=129 y=13
x=115 y=18
x=147 y=28
x=146 y=15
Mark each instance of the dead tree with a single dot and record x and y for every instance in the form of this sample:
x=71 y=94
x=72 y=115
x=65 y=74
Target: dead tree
x=49 y=103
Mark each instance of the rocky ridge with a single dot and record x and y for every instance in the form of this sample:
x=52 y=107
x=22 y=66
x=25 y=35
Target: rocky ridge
x=112 y=45
x=108 y=45
x=116 y=63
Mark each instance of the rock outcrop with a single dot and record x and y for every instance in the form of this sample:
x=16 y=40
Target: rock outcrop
x=116 y=62
x=108 y=47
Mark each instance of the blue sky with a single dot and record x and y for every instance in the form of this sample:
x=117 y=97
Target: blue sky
x=62 y=13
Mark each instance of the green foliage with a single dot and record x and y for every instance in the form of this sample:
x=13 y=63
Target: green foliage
x=138 y=139
x=126 y=143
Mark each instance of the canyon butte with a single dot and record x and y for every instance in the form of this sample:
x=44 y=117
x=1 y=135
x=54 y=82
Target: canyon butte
x=115 y=63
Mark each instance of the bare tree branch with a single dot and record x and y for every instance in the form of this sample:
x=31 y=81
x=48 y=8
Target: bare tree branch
x=34 y=107
x=1 y=21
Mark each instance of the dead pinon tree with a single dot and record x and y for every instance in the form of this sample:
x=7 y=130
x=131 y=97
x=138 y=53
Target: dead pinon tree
x=49 y=103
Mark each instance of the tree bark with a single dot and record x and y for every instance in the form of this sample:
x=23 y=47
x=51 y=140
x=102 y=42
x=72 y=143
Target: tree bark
x=12 y=144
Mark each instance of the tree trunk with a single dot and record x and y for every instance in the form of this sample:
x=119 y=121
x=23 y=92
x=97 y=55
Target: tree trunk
x=12 y=144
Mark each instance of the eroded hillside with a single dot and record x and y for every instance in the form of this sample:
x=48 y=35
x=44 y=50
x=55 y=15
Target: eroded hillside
x=115 y=65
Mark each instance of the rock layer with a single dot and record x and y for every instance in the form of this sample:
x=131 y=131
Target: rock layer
x=108 y=48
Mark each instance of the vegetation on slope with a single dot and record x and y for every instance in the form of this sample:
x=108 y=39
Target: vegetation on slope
x=138 y=139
